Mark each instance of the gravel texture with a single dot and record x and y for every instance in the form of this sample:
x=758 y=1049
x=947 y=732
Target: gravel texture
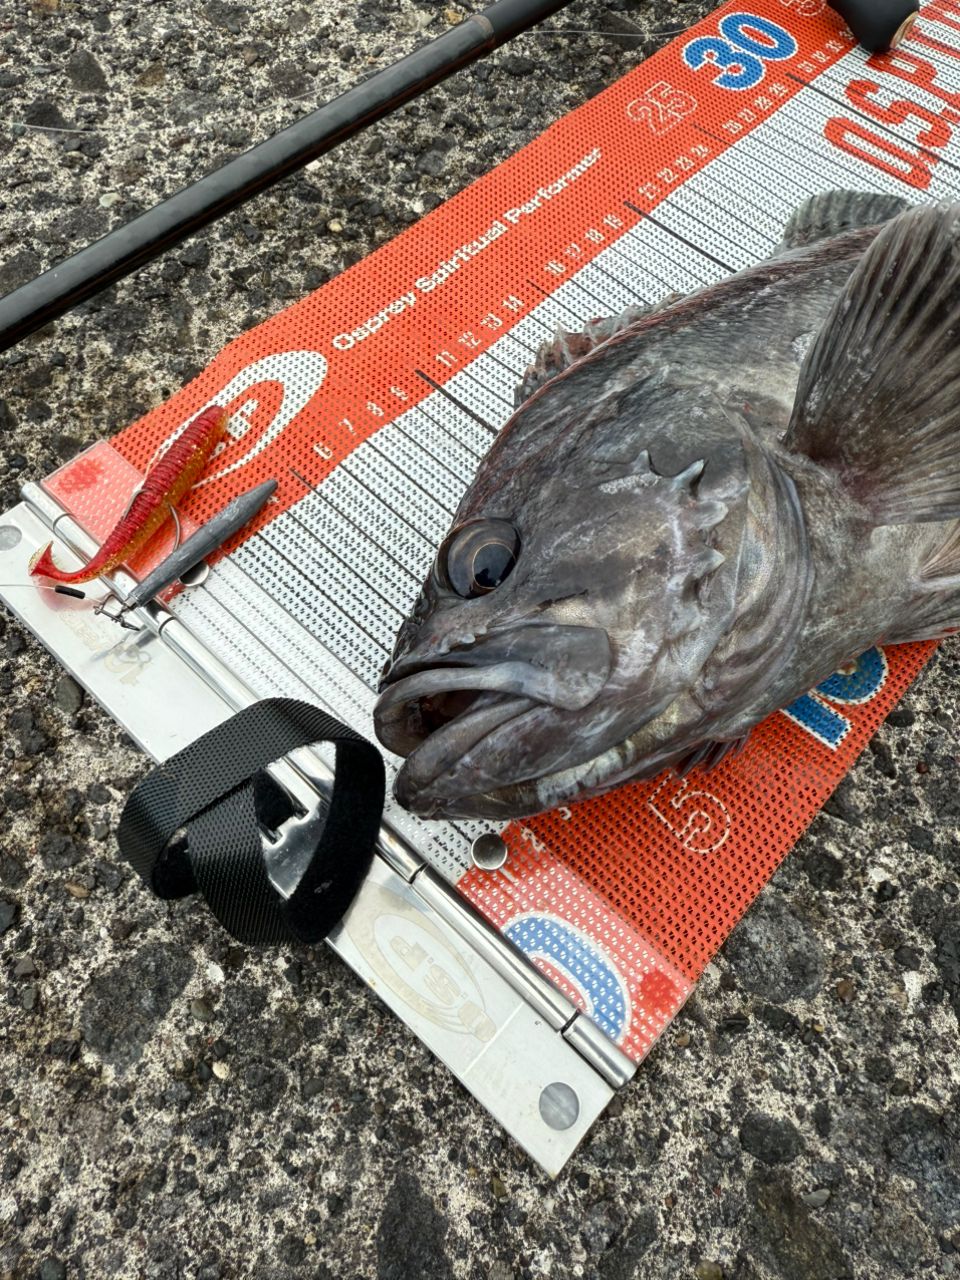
x=175 y=1105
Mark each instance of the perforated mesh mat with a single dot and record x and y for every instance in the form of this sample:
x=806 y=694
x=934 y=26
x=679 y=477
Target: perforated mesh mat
x=373 y=400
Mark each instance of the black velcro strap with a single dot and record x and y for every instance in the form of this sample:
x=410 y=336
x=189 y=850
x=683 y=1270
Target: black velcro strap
x=194 y=823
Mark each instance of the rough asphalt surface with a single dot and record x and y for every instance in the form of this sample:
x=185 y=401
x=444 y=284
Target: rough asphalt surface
x=174 y=1105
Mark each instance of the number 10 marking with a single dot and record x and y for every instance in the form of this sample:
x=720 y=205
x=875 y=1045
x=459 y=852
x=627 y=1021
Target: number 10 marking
x=850 y=687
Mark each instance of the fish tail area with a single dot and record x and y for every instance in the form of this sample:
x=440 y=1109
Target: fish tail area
x=42 y=565
x=878 y=401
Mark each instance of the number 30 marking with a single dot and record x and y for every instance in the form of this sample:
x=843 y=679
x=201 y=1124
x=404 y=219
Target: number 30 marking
x=746 y=42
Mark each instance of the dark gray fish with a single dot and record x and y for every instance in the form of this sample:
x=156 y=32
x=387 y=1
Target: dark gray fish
x=696 y=515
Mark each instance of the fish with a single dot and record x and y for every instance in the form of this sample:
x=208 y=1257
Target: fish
x=695 y=515
x=166 y=482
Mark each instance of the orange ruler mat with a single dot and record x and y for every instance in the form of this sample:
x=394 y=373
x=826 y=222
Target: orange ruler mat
x=372 y=401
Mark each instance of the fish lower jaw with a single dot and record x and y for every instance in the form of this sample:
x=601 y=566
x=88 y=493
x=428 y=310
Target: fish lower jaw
x=501 y=805
x=465 y=785
x=429 y=777
x=439 y=799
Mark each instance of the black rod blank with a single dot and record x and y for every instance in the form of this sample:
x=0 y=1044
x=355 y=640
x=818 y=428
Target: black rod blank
x=128 y=247
x=878 y=24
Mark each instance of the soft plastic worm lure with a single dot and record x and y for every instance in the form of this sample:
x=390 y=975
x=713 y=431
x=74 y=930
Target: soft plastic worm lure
x=173 y=476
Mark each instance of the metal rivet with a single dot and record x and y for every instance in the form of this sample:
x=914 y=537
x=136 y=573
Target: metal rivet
x=10 y=536
x=489 y=852
x=559 y=1106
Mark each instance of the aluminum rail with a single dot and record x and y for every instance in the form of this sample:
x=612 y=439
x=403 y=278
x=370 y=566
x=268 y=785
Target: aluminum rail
x=128 y=247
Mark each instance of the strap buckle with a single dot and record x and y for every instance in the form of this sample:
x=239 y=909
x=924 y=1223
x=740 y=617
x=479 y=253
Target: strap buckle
x=293 y=885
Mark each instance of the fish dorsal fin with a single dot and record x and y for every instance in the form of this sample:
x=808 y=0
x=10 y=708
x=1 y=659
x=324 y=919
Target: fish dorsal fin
x=567 y=346
x=833 y=212
x=879 y=395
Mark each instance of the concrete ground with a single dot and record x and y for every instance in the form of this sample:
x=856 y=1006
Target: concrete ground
x=174 y=1105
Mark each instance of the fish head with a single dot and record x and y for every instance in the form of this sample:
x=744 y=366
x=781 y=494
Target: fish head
x=562 y=614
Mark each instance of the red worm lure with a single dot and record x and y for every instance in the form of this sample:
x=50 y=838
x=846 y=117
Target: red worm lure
x=163 y=486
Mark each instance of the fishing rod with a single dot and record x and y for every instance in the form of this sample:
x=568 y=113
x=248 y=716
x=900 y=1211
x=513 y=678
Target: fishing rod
x=129 y=247
x=878 y=24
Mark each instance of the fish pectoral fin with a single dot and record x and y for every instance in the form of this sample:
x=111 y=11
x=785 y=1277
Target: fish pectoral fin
x=944 y=562
x=934 y=611
x=832 y=212
x=878 y=401
x=708 y=755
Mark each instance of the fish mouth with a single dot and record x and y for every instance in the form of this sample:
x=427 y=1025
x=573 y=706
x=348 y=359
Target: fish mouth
x=438 y=712
x=426 y=703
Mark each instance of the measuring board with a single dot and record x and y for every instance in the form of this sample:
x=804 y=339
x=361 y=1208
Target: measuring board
x=544 y=983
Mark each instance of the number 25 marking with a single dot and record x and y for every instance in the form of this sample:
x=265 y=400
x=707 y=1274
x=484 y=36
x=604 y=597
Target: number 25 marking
x=745 y=44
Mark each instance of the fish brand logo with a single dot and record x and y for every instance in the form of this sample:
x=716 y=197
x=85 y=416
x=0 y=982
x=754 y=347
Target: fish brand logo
x=662 y=107
x=125 y=661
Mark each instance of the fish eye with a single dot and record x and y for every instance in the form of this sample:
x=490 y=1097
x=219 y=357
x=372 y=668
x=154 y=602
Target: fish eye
x=477 y=557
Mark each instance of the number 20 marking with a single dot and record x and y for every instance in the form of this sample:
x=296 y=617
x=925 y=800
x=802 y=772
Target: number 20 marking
x=745 y=44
